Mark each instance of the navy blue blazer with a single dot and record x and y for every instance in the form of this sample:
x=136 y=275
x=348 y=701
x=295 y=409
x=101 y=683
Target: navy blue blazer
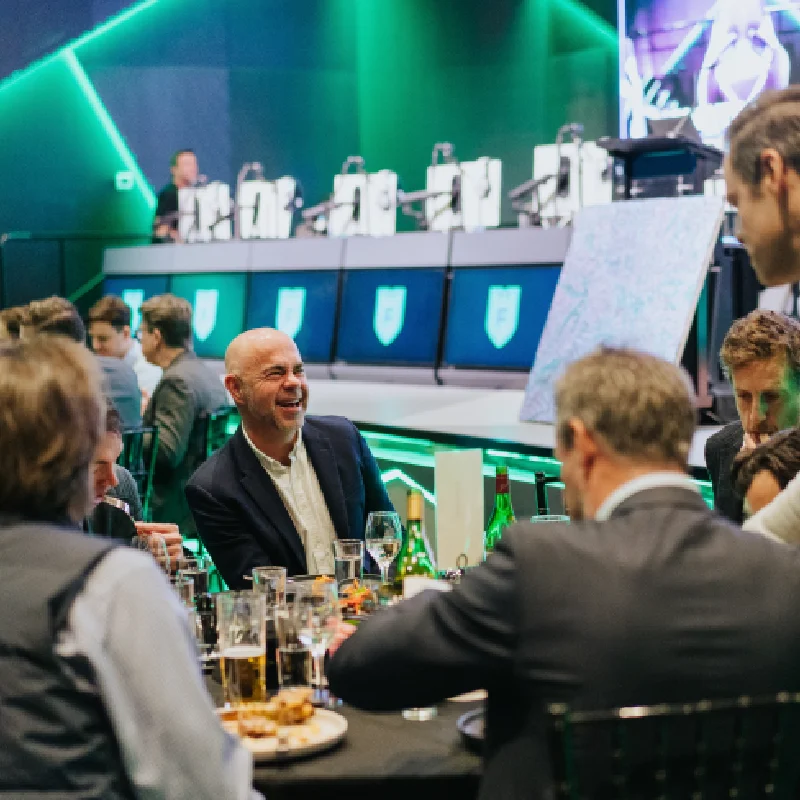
x=241 y=518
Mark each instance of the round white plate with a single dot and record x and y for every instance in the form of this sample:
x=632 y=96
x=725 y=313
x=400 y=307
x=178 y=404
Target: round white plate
x=321 y=732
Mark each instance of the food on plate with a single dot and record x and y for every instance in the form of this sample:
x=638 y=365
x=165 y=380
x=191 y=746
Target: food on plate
x=260 y=720
x=357 y=598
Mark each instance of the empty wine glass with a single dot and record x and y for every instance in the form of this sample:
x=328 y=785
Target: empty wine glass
x=384 y=535
x=154 y=544
x=317 y=607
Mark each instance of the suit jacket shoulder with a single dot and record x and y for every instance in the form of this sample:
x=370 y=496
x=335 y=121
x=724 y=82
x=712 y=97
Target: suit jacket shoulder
x=721 y=449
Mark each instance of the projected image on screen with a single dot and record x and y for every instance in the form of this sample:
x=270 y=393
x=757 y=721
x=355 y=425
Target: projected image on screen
x=301 y=304
x=391 y=316
x=134 y=290
x=705 y=59
x=217 y=309
x=496 y=316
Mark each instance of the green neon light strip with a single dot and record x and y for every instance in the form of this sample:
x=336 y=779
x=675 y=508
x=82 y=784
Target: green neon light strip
x=399 y=475
x=593 y=20
x=108 y=125
x=104 y=27
x=67 y=53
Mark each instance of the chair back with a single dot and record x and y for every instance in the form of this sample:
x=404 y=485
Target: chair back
x=138 y=456
x=217 y=428
x=742 y=748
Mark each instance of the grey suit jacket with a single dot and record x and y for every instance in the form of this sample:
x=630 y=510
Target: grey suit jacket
x=187 y=392
x=664 y=602
x=122 y=389
x=721 y=449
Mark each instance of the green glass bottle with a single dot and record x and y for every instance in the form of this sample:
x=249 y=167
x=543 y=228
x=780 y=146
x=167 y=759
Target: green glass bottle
x=502 y=514
x=414 y=558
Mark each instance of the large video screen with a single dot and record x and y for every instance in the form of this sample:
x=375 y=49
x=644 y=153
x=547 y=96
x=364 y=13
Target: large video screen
x=496 y=316
x=703 y=58
x=301 y=304
x=391 y=316
x=134 y=290
x=217 y=309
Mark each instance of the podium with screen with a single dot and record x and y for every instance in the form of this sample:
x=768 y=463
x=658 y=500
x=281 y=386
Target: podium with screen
x=218 y=304
x=391 y=317
x=302 y=304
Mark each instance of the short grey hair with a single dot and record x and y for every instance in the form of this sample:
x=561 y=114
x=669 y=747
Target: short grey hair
x=642 y=406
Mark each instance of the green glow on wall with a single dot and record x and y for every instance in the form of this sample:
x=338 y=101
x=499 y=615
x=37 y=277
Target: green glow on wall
x=87 y=87
x=66 y=55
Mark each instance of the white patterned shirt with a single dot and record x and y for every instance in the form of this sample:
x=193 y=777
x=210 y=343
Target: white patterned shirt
x=299 y=489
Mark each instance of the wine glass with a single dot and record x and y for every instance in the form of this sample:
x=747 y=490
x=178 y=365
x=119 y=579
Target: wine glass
x=317 y=608
x=384 y=535
x=154 y=544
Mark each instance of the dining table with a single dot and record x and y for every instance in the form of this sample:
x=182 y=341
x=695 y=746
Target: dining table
x=382 y=755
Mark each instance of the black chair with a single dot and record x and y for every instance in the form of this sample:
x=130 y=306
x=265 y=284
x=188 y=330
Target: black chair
x=217 y=428
x=139 y=450
x=733 y=749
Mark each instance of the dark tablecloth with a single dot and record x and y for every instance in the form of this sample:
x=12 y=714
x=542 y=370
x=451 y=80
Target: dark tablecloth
x=381 y=753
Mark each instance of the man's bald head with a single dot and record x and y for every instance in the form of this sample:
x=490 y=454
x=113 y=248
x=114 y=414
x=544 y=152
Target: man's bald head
x=266 y=378
x=252 y=346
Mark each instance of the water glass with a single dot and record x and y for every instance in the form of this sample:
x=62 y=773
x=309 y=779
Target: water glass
x=241 y=624
x=348 y=559
x=293 y=656
x=383 y=536
x=184 y=588
x=154 y=544
x=197 y=570
x=270 y=581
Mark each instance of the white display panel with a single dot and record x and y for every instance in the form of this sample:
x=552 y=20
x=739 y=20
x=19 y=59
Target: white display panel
x=480 y=193
x=438 y=212
x=266 y=208
x=589 y=178
x=205 y=213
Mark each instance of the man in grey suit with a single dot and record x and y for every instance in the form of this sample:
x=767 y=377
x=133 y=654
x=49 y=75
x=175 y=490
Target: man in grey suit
x=647 y=597
x=761 y=357
x=184 y=397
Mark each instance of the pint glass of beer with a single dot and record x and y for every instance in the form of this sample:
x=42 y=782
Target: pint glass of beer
x=241 y=621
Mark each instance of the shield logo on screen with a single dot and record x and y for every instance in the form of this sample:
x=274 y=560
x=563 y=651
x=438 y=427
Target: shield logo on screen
x=134 y=298
x=502 y=314
x=205 y=312
x=289 y=310
x=390 y=313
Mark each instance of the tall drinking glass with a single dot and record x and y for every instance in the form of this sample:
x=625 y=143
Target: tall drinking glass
x=156 y=545
x=270 y=581
x=384 y=535
x=197 y=570
x=348 y=559
x=319 y=615
x=241 y=622
x=294 y=657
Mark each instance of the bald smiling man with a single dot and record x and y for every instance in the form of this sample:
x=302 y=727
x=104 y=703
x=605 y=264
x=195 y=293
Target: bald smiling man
x=285 y=485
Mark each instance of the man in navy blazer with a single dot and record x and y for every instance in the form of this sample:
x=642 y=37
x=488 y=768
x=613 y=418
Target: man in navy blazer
x=285 y=485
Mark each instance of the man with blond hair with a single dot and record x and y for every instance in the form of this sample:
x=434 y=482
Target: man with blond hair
x=102 y=696
x=761 y=358
x=646 y=597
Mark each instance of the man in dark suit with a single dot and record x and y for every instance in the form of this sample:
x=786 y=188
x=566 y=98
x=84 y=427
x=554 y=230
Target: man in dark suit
x=284 y=486
x=761 y=357
x=647 y=597
x=184 y=397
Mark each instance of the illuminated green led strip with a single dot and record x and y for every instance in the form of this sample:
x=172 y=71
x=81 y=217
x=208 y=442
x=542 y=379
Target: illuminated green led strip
x=87 y=87
x=399 y=475
x=67 y=54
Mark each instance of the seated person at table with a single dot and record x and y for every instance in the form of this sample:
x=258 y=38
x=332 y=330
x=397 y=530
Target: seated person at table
x=102 y=696
x=55 y=315
x=646 y=597
x=760 y=475
x=112 y=480
x=761 y=357
x=285 y=485
x=184 y=397
x=110 y=331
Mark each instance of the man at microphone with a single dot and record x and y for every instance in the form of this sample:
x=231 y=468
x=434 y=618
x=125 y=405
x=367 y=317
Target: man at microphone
x=184 y=171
